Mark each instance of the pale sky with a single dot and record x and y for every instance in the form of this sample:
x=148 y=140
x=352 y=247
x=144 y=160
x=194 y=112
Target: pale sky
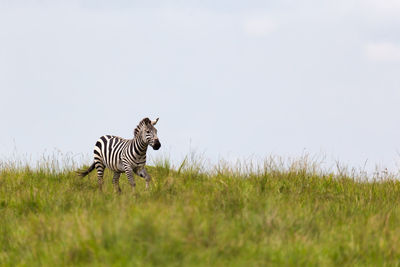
x=230 y=79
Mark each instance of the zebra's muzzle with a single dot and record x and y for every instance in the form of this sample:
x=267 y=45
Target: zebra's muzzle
x=156 y=145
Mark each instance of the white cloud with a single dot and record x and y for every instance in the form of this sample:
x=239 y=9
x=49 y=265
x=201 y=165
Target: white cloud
x=384 y=4
x=387 y=52
x=382 y=9
x=258 y=26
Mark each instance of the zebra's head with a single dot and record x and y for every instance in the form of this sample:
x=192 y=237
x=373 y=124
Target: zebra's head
x=149 y=133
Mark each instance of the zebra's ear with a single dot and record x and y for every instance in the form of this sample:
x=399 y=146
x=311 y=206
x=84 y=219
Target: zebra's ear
x=154 y=122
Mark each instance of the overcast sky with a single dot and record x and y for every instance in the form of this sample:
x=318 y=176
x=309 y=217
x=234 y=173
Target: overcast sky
x=229 y=79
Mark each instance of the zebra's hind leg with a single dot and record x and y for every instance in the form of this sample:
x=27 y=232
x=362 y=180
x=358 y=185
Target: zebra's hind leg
x=116 y=182
x=100 y=173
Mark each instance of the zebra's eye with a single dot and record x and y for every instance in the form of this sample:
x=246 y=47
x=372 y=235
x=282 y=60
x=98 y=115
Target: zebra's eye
x=147 y=131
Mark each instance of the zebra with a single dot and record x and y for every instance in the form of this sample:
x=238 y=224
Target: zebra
x=124 y=155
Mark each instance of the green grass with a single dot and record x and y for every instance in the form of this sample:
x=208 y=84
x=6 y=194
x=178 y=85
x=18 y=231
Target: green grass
x=293 y=216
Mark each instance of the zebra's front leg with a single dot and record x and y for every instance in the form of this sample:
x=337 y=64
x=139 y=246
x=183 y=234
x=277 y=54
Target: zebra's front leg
x=131 y=179
x=144 y=174
x=116 y=182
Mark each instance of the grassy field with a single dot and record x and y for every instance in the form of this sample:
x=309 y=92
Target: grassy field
x=294 y=216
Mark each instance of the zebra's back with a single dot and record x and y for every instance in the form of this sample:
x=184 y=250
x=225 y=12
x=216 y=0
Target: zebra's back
x=109 y=150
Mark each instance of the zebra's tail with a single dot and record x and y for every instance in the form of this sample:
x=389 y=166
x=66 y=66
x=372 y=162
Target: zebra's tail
x=83 y=173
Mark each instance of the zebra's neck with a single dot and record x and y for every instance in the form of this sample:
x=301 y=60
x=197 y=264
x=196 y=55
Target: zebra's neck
x=139 y=146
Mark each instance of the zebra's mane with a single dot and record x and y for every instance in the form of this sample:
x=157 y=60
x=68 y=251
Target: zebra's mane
x=140 y=125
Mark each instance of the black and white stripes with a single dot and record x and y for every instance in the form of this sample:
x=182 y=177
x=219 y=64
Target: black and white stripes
x=125 y=155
